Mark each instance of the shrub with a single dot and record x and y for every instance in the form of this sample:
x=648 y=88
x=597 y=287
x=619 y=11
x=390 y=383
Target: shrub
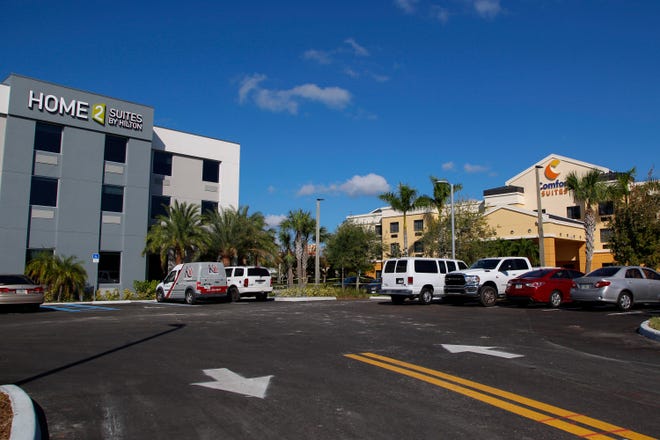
x=145 y=289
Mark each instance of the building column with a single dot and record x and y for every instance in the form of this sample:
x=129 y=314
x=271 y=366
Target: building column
x=550 y=252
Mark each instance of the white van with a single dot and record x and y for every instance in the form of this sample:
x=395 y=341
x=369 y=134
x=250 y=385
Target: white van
x=414 y=277
x=193 y=281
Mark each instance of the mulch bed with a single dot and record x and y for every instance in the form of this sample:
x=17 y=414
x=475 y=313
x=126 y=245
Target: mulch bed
x=6 y=416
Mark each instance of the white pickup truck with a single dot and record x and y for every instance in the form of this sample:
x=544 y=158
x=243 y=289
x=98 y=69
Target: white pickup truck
x=486 y=279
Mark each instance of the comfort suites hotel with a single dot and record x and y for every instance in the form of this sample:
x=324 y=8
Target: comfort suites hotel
x=85 y=175
x=511 y=210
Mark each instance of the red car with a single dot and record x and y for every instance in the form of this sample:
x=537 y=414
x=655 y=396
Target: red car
x=547 y=285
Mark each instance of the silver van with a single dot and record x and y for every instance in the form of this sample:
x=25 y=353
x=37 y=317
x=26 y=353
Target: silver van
x=415 y=277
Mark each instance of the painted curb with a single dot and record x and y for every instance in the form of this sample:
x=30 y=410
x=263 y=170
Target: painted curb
x=646 y=330
x=24 y=424
x=305 y=298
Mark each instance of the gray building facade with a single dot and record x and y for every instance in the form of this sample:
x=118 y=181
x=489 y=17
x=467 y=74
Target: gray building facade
x=77 y=179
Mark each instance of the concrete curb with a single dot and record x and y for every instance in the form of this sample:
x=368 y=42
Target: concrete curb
x=24 y=425
x=305 y=298
x=646 y=330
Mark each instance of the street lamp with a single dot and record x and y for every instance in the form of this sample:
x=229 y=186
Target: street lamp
x=453 y=234
x=316 y=252
x=540 y=217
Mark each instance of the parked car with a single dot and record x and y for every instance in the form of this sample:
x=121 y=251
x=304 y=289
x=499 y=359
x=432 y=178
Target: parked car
x=620 y=285
x=351 y=282
x=373 y=287
x=20 y=289
x=546 y=285
x=193 y=281
x=249 y=281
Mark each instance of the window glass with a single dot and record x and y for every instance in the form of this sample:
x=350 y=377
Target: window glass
x=443 y=266
x=211 y=171
x=112 y=198
x=426 y=266
x=418 y=247
x=238 y=272
x=451 y=266
x=379 y=230
x=258 y=271
x=109 y=267
x=48 y=137
x=389 y=266
x=418 y=225
x=462 y=265
x=394 y=227
x=43 y=191
x=162 y=163
x=605 y=235
x=401 y=266
x=573 y=212
x=633 y=273
x=115 y=148
x=651 y=275
x=208 y=205
x=606 y=208
x=158 y=204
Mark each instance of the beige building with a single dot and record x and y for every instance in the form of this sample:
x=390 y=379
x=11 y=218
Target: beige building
x=511 y=210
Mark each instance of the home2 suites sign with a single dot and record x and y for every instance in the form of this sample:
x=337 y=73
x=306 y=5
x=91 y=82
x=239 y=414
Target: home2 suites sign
x=81 y=110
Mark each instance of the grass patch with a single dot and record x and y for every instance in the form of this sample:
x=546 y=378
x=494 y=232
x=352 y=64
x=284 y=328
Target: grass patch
x=654 y=323
x=313 y=290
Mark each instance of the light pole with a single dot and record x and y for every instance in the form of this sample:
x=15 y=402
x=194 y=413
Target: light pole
x=453 y=234
x=540 y=217
x=317 y=251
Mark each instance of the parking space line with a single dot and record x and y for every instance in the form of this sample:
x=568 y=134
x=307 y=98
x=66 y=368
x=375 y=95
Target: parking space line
x=552 y=416
x=75 y=308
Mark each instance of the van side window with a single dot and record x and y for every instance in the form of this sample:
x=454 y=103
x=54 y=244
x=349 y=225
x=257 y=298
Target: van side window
x=401 y=266
x=451 y=265
x=171 y=276
x=443 y=266
x=238 y=272
x=426 y=266
x=389 y=266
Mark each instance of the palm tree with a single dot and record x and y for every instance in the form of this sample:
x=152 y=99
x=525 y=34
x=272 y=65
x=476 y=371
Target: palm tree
x=441 y=194
x=178 y=234
x=403 y=201
x=302 y=225
x=69 y=277
x=588 y=190
x=41 y=268
x=287 y=254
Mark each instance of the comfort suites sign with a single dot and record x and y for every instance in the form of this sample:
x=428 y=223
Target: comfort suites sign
x=554 y=184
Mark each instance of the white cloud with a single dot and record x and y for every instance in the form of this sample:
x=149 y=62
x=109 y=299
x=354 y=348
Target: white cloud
x=357 y=49
x=407 y=6
x=369 y=185
x=289 y=100
x=472 y=169
x=487 y=8
x=273 y=221
x=448 y=166
x=319 y=56
x=440 y=14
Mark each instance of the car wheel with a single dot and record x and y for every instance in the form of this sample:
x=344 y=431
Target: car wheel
x=160 y=296
x=625 y=301
x=190 y=297
x=555 y=299
x=262 y=296
x=233 y=295
x=487 y=296
x=398 y=299
x=426 y=296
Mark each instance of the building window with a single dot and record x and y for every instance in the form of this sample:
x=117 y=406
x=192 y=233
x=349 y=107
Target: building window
x=43 y=191
x=109 y=267
x=418 y=247
x=211 y=171
x=48 y=137
x=31 y=254
x=418 y=226
x=394 y=228
x=606 y=208
x=159 y=206
x=115 y=148
x=208 y=205
x=395 y=250
x=573 y=212
x=112 y=198
x=379 y=229
x=162 y=163
x=605 y=235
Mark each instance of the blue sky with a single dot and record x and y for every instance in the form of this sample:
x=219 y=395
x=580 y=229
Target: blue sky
x=344 y=100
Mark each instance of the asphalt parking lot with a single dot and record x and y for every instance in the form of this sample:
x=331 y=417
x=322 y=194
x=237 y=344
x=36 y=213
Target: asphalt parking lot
x=335 y=369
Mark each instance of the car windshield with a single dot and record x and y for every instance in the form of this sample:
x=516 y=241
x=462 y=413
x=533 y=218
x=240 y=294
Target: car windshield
x=15 y=279
x=258 y=271
x=604 y=272
x=536 y=273
x=487 y=263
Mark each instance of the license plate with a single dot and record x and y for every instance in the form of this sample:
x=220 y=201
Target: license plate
x=399 y=280
x=585 y=286
x=518 y=286
x=260 y=281
x=22 y=291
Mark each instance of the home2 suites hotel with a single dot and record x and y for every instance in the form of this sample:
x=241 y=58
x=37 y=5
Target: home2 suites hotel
x=84 y=175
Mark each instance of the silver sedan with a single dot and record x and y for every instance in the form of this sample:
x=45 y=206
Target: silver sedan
x=620 y=285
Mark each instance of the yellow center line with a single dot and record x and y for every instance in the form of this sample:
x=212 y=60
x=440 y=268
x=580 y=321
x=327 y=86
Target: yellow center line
x=563 y=421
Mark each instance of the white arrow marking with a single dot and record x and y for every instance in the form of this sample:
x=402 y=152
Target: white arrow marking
x=479 y=350
x=227 y=380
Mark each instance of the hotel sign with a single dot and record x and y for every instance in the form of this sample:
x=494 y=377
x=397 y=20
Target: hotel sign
x=81 y=110
x=554 y=187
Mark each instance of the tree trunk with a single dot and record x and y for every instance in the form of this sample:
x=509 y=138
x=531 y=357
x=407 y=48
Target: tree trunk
x=589 y=232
